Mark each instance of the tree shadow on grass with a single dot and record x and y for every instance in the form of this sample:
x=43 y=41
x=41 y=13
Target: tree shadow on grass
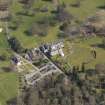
x=101 y=7
x=24 y=14
x=7 y=69
x=98 y=45
x=12 y=101
x=13 y=28
x=27 y=33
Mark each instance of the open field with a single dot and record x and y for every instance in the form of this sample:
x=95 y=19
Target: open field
x=4 y=50
x=79 y=51
x=86 y=9
x=8 y=87
x=82 y=53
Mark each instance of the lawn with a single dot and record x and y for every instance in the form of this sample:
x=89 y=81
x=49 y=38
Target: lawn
x=86 y=9
x=4 y=50
x=8 y=81
x=27 y=21
x=80 y=51
x=8 y=87
x=3 y=42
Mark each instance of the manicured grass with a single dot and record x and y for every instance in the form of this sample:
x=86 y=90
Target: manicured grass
x=52 y=34
x=27 y=22
x=87 y=8
x=3 y=42
x=81 y=52
x=8 y=87
x=4 y=50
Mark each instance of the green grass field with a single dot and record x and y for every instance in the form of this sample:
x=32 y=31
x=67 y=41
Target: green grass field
x=86 y=9
x=8 y=87
x=4 y=50
x=81 y=52
x=8 y=81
